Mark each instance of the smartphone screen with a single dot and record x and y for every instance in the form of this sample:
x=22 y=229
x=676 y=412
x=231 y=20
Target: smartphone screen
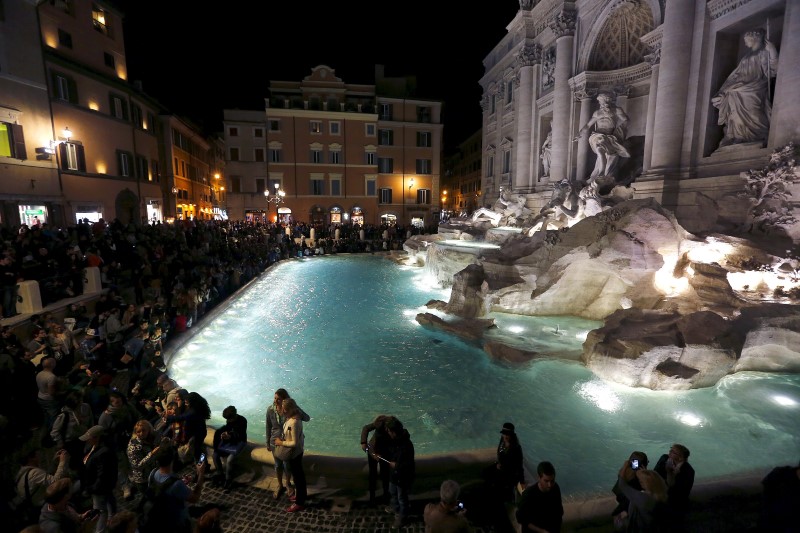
x=202 y=458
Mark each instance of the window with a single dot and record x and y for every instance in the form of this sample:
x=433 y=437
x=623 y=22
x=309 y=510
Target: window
x=423 y=196
x=370 y=158
x=372 y=185
x=65 y=88
x=275 y=155
x=317 y=186
x=385 y=112
x=335 y=127
x=424 y=166
x=490 y=167
x=336 y=157
x=72 y=156
x=509 y=92
x=385 y=165
x=176 y=167
x=258 y=133
x=492 y=104
x=261 y=185
x=274 y=125
x=369 y=130
x=12 y=141
x=258 y=155
x=154 y=171
x=236 y=184
x=316 y=156
x=151 y=122
x=423 y=114
x=136 y=113
x=506 y=161
x=234 y=153
x=233 y=131
x=424 y=139
x=315 y=126
x=141 y=167
x=119 y=107
x=108 y=59
x=336 y=187
x=124 y=163
x=99 y=19
x=64 y=38
x=385 y=137
x=385 y=195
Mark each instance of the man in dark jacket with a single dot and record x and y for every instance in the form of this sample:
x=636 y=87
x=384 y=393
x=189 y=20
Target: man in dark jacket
x=403 y=470
x=229 y=441
x=674 y=467
x=99 y=475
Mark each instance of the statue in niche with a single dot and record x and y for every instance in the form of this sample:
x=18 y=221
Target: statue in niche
x=546 y=154
x=509 y=209
x=609 y=128
x=549 y=68
x=744 y=100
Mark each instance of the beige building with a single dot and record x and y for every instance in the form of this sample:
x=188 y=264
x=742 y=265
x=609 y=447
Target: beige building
x=341 y=153
x=664 y=64
x=189 y=172
x=461 y=178
x=29 y=181
x=105 y=129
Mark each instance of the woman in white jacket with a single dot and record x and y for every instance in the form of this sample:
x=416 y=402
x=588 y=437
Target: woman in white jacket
x=293 y=437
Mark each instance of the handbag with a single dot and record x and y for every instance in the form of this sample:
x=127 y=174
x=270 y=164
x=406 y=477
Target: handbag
x=284 y=453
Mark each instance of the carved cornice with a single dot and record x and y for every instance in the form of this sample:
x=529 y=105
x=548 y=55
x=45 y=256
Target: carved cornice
x=718 y=8
x=622 y=90
x=529 y=55
x=610 y=80
x=484 y=103
x=563 y=24
x=526 y=5
x=653 y=42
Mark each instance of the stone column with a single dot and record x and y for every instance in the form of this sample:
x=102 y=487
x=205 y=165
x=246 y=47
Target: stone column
x=785 y=125
x=652 y=98
x=622 y=93
x=563 y=26
x=585 y=98
x=528 y=56
x=673 y=84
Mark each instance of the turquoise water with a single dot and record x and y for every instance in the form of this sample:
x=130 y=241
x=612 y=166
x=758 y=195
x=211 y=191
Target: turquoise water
x=339 y=334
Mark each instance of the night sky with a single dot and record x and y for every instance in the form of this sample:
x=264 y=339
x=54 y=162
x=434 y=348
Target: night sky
x=200 y=58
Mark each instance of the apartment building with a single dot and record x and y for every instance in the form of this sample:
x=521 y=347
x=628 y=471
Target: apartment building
x=461 y=178
x=29 y=186
x=330 y=152
x=106 y=133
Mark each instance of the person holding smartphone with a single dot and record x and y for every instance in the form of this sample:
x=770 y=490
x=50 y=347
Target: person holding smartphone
x=638 y=461
x=449 y=515
x=377 y=446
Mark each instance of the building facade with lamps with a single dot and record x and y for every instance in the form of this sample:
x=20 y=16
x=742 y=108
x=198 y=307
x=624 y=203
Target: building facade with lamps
x=189 y=171
x=109 y=167
x=342 y=153
x=461 y=178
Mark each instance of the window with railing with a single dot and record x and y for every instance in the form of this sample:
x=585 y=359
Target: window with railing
x=423 y=196
x=385 y=196
x=100 y=20
x=385 y=137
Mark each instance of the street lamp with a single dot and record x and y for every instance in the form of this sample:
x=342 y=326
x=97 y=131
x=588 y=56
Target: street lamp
x=276 y=199
x=175 y=195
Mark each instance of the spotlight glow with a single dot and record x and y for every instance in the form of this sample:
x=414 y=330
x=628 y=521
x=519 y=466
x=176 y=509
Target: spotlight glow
x=689 y=419
x=784 y=401
x=601 y=395
x=516 y=329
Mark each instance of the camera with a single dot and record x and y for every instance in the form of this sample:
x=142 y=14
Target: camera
x=635 y=464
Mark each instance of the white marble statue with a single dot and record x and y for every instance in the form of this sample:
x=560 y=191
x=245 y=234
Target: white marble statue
x=608 y=127
x=743 y=100
x=546 y=154
x=509 y=207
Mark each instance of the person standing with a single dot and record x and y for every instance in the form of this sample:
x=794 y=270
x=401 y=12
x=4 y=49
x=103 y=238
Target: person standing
x=275 y=430
x=229 y=441
x=378 y=444
x=293 y=437
x=646 y=511
x=99 y=475
x=540 y=508
x=141 y=452
x=47 y=383
x=401 y=460
x=447 y=516
x=675 y=469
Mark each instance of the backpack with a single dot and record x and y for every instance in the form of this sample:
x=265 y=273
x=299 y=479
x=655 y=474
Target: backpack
x=158 y=510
